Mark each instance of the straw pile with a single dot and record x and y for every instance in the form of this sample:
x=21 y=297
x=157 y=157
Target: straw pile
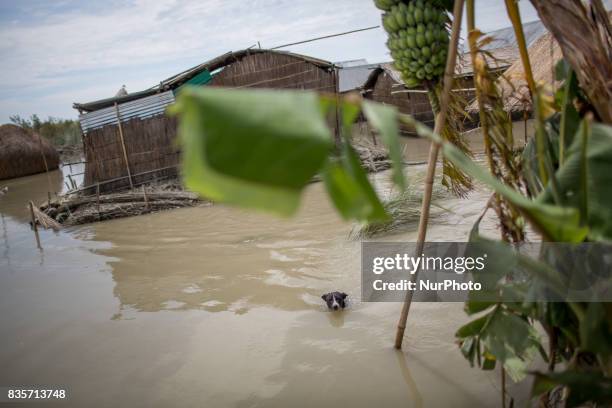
x=21 y=155
x=76 y=210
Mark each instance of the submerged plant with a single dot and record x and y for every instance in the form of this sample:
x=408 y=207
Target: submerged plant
x=404 y=212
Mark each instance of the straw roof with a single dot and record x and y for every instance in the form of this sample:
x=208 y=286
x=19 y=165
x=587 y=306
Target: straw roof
x=502 y=59
x=177 y=80
x=543 y=56
x=20 y=153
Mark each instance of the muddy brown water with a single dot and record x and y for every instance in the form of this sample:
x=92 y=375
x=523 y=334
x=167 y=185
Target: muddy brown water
x=217 y=307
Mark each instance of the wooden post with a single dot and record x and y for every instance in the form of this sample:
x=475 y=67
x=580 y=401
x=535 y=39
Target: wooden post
x=433 y=158
x=125 y=156
x=515 y=18
x=146 y=199
x=525 y=117
x=42 y=153
x=72 y=183
x=34 y=225
x=337 y=111
x=503 y=385
x=98 y=198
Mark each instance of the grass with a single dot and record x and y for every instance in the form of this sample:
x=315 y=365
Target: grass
x=404 y=209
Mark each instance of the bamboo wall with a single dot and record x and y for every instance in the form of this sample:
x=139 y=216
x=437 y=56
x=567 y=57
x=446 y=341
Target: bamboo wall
x=411 y=103
x=278 y=71
x=385 y=90
x=151 y=150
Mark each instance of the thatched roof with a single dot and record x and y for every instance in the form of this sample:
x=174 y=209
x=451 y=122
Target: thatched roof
x=20 y=153
x=543 y=56
x=501 y=59
x=177 y=80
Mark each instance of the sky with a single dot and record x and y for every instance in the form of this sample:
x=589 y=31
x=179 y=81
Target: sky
x=58 y=52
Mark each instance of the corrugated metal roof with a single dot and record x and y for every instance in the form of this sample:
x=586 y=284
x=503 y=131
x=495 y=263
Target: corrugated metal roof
x=354 y=77
x=141 y=108
x=351 y=63
x=505 y=37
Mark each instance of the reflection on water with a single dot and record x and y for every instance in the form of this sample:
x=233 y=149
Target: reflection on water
x=217 y=307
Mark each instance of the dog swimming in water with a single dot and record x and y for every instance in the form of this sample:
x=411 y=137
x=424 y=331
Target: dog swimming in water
x=335 y=300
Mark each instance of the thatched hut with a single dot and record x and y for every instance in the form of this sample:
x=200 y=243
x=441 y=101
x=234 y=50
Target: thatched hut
x=23 y=152
x=543 y=56
x=544 y=53
x=385 y=85
x=129 y=137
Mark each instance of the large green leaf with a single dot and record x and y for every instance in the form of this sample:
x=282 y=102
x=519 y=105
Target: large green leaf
x=384 y=119
x=474 y=327
x=251 y=148
x=345 y=179
x=583 y=386
x=585 y=179
x=351 y=193
x=561 y=224
x=506 y=338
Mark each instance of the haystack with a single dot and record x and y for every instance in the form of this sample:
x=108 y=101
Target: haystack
x=21 y=155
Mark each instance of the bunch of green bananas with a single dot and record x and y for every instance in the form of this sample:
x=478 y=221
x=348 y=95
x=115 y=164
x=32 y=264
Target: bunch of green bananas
x=418 y=38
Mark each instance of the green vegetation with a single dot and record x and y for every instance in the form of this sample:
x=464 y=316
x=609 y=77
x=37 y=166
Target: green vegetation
x=60 y=132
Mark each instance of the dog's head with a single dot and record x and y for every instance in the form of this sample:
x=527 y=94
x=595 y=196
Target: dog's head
x=335 y=300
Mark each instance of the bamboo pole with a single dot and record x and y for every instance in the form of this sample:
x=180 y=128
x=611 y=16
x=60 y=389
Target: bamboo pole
x=484 y=123
x=503 y=386
x=515 y=17
x=433 y=158
x=98 y=198
x=125 y=156
x=34 y=226
x=42 y=153
x=146 y=200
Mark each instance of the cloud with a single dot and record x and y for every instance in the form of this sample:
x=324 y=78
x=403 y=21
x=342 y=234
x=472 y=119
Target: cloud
x=55 y=53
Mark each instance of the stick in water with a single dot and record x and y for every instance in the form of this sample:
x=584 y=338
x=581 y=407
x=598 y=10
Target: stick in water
x=433 y=158
x=34 y=225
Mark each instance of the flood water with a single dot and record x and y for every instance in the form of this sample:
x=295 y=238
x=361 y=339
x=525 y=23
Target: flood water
x=217 y=307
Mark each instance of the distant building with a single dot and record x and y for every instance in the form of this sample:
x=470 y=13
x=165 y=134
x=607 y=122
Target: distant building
x=353 y=74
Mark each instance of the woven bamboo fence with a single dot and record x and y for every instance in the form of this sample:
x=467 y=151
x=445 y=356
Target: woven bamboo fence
x=150 y=147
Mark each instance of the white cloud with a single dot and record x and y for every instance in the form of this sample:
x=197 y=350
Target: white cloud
x=80 y=55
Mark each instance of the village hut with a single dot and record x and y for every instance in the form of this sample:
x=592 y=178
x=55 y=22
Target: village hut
x=23 y=152
x=543 y=56
x=128 y=140
x=353 y=74
x=385 y=85
x=505 y=61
